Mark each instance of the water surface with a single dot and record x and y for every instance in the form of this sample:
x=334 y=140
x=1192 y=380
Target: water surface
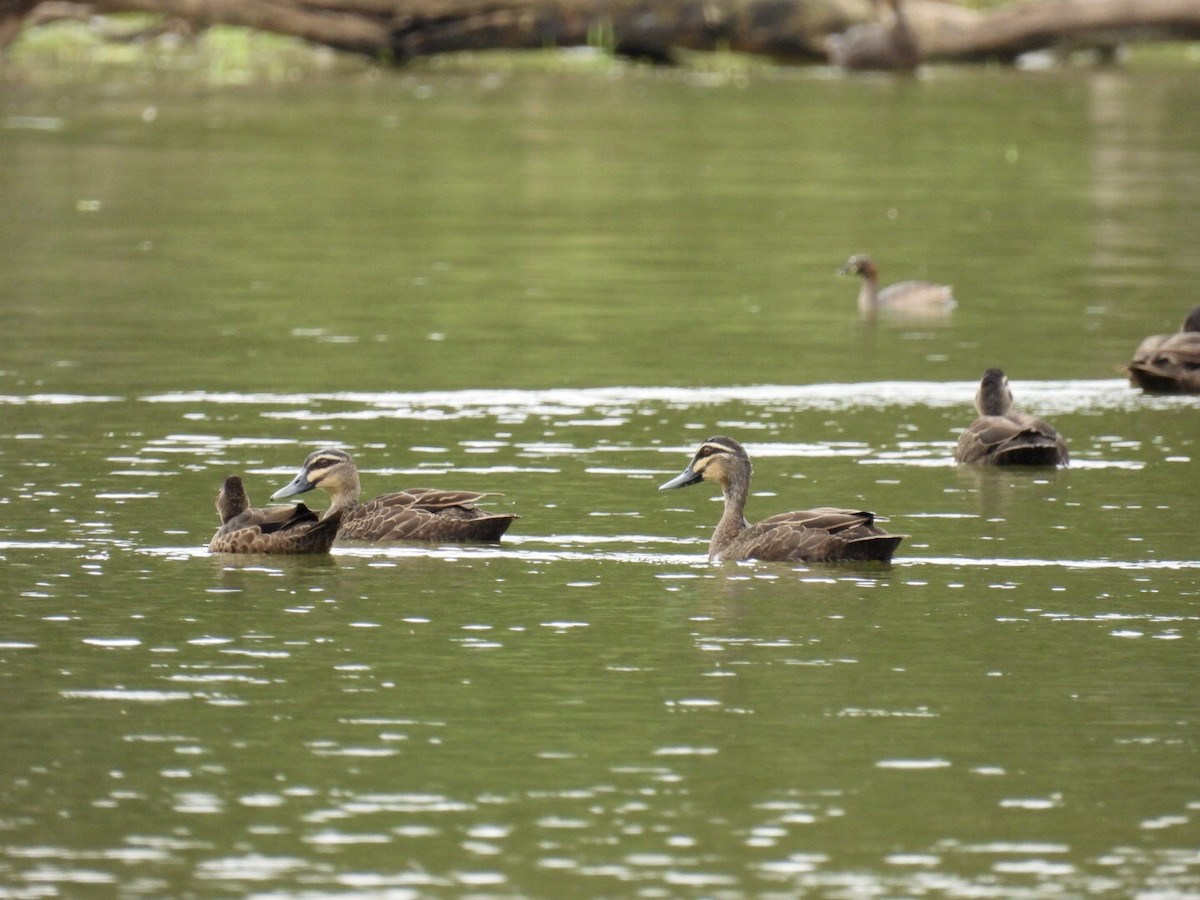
x=555 y=288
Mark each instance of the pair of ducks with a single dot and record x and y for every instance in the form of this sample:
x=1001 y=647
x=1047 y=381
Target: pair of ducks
x=416 y=514
x=1000 y=436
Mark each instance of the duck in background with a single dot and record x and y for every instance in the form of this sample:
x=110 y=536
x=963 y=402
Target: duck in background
x=913 y=298
x=1001 y=436
x=876 y=45
x=1169 y=363
x=279 y=529
x=416 y=514
x=824 y=534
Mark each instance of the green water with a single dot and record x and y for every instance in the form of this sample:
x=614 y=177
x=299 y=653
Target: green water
x=555 y=285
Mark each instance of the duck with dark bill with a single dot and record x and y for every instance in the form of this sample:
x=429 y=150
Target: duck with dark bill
x=415 y=514
x=823 y=534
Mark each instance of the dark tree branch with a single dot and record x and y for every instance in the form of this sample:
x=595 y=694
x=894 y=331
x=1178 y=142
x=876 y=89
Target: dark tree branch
x=787 y=30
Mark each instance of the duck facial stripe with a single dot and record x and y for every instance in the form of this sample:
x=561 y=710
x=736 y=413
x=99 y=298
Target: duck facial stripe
x=323 y=462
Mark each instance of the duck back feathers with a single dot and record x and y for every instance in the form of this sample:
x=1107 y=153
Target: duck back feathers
x=1002 y=436
x=1169 y=363
x=825 y=534
x=425 y=514
x=277 y=529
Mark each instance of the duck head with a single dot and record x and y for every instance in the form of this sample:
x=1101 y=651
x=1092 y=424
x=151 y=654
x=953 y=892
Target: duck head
x=859 y=265
x=231 y=499
x=994 y=397
x=331 y=470
x=719 y=459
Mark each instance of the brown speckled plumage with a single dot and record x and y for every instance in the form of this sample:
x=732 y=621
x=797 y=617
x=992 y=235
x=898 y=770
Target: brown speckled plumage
x=1169 y=363
x=416 y=514
x=1002 y=436
x=277 y=529
x=824 y=534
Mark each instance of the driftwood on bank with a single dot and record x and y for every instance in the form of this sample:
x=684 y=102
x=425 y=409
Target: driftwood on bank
x=785 y=30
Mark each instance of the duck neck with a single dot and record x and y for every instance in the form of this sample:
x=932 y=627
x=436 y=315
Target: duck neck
x=733 y=518
x=345 y=497
x=868 y=294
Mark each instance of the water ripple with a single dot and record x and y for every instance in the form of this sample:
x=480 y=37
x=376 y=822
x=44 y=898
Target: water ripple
x=1048 y=397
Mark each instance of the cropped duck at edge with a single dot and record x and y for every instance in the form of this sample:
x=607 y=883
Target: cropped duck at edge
x=1002 y=436
x=279 y=529
x=824 y=534
x=415 y=514
x=1169 y=363
x=924 y=298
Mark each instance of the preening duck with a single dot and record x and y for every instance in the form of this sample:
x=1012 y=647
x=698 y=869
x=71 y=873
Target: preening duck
x=416 y=514
x=824 y=534
x=1169 y=363
x=278 y=529
x=911 y=297
x=1002 y=436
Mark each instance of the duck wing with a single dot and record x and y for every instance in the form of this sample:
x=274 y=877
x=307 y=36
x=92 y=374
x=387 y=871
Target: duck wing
x=434 y=499
x=1015 y=439
x=271 y=519
x=823 y=534
x=281 y=529
x=425 y=514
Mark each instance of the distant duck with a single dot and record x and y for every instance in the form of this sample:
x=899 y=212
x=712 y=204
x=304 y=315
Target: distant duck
x=1003 y=437
x=416 y=514
x=1169 y=363
x=876 y=45
x=278 y=529
x=823 y=534
x=905 y=297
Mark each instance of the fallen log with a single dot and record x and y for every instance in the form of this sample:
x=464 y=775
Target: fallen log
x=1047 y=24
x=791 y=31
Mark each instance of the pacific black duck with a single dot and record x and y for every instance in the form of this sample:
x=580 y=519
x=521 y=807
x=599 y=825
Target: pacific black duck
x=1169 y=363
x=1001 y=436
x=876 y=45
x=912 y=297
x=824 y=534
x=416 y=514
x=278 y=529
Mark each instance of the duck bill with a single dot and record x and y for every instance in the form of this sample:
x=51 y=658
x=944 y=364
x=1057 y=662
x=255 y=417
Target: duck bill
x=297 y=485
x=683 y=479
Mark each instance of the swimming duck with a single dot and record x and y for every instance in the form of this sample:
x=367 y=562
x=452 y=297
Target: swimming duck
x=279 y=529
x=1002 y=436
x=876 y=45
x=903 y=297
x=1169 y=363
x=823 y=534
x=416 y=514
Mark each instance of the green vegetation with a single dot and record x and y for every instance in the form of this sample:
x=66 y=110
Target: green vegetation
x=221 y=55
